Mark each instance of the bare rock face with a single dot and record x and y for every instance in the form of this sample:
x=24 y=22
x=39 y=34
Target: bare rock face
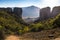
x=9 y=10
x=18 y=12
x=44 y=13
x=2 y=9
x=55 y=11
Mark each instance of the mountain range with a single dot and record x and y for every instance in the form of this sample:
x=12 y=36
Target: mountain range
x=31 y=11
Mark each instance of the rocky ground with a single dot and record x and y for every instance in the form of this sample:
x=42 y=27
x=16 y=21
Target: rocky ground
x=52 y=34
x=57 y=38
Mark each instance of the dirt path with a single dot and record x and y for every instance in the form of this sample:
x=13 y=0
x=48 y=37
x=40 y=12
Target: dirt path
x=12 y=37
x=57 y=39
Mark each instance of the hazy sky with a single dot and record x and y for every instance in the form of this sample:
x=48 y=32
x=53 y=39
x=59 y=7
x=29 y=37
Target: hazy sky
x=24 y=3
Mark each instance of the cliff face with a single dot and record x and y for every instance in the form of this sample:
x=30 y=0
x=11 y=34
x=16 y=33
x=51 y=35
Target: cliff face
x=2 y=9
x=9 y=10
x=44 y=13
x=18 y=12
x=55 y=11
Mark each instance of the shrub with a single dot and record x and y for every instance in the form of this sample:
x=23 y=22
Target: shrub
x=57 y=21
x=26 y=29
x=37 y=27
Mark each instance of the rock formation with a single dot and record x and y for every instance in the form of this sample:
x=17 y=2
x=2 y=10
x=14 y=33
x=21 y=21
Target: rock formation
x=55 y=11
x=9 y=10
x=18 y=12
x=44 y=13
x=2 y=9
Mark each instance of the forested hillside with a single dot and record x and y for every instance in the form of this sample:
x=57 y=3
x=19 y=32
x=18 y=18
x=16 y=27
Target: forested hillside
x=9 y=24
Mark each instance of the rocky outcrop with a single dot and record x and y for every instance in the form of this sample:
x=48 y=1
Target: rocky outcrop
x=15 y=12
x=55 y=11
x=18 y=12
x=44 y=13
x=9 y=10
x=2 y=9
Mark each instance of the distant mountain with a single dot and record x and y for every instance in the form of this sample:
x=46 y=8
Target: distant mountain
x=31 y=11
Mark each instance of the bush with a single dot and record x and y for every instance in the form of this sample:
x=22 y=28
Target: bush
x=1 y=33
x=37 y=27
x=56 y=22
x=26 y=29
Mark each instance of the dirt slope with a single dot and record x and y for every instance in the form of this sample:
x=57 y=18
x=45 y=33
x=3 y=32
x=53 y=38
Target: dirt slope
x=12 y=37
x=52 y=34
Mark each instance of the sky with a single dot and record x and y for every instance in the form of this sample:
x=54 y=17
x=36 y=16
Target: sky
x=25 y=3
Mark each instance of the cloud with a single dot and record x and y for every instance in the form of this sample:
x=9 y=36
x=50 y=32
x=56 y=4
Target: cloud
x=50 y=3
x=24 y=3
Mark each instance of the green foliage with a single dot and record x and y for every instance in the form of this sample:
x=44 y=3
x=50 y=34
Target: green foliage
x=36 y=27
x=20 y=32
x=26 y=29
x=47 y=24
x=1 y=27
x=9 y=23
x=56 y=22
x=1 y=32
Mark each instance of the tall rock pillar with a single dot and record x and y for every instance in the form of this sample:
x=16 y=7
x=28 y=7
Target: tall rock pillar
x=55 y=11
x=44 y=13
x=18 y=12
